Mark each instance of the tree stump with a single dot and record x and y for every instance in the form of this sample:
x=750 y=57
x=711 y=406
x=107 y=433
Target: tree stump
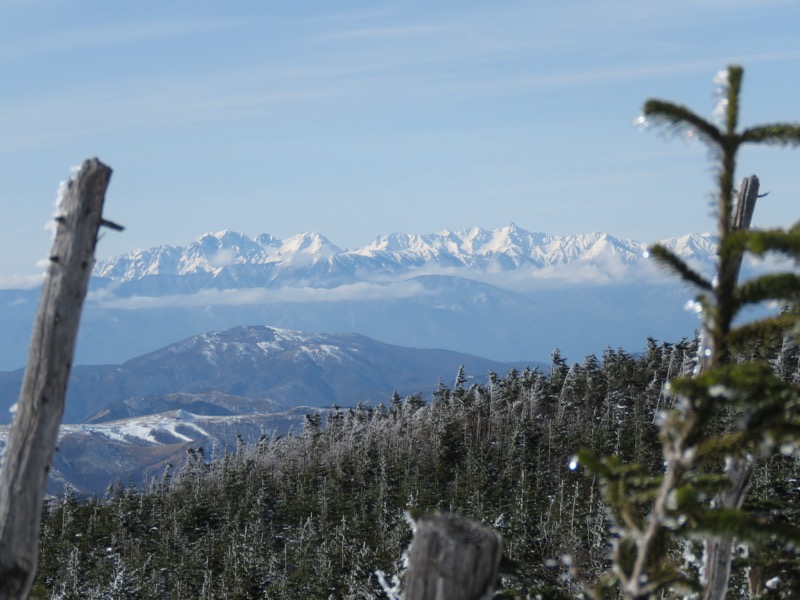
x=452 y=558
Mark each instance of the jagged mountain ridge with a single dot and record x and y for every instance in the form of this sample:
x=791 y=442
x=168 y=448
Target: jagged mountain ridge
x=505 y=248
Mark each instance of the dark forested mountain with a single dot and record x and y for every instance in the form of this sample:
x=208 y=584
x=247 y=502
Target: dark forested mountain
x=277 y=368
x=215 y=388
x=505 y=294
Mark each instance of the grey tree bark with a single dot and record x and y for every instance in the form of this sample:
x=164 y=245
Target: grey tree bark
x=32 y=438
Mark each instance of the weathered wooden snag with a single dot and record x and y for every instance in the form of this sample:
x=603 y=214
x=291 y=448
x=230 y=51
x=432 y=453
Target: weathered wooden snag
x=32 y=438
x=718 y=552
x=452 y=558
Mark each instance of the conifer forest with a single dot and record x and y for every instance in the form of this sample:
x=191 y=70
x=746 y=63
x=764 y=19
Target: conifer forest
x=316 y=515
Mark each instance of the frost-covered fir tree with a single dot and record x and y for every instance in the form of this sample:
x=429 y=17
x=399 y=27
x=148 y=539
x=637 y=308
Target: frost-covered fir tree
x=733 y=410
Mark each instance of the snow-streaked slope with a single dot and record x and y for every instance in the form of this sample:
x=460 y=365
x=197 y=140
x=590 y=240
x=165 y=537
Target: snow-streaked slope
x=137 y=449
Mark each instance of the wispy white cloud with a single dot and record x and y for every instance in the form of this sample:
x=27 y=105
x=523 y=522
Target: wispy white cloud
x=600 y=272
x=106 y=107
x=363 y=291
x=576 y=78
x=350 y=16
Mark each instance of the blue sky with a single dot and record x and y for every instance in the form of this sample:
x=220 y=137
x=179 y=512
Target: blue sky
x=357 y=119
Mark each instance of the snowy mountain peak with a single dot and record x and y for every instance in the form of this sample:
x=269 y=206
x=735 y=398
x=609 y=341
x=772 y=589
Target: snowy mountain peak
x=401 y=243
x=510 y=240
x=311 y=243
x=214 y=250
x=306 y=249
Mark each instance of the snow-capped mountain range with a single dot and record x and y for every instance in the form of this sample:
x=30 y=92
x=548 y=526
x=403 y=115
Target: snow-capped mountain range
x=507 y=294
x=475 y=249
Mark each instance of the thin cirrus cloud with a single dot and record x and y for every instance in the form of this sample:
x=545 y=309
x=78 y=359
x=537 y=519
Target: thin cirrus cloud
x=266 y=93
x=154 y=101
x=573 y=78
x=261 y=92
x=436 y=59
x=391 y=32
x=105 y=36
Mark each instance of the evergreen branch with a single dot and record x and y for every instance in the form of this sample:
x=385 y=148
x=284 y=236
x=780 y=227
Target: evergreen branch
x=731 y=522
x=775 y=240
x=764 y=331
x=774 y=286
x=718 y=447
x=775 y=423
x=781 y=134
x=736 y=242
x=735 y=75
x=668 y=258
x=680 y=117
x=745 y=385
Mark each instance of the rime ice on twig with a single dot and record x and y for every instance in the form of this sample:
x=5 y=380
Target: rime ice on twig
x=721 y=81
x=641 y=123
x=58 y=213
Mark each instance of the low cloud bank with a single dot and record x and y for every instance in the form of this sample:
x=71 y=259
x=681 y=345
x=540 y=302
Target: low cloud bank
x=599 y=272
x=250 y=296
x=608 y=272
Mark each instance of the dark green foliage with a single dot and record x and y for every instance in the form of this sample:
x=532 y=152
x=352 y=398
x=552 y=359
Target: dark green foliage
x=315 y=515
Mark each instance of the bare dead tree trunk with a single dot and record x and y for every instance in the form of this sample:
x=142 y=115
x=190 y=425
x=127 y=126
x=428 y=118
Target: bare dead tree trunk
x=740 y=470
x=452 y=558
x=32 y=437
